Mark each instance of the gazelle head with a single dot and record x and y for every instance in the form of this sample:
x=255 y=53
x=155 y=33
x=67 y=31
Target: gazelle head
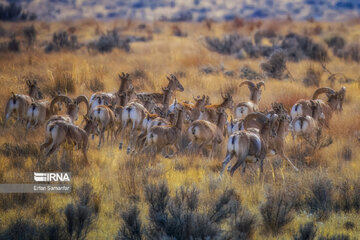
x=34 y=90
x=91 y=126
x=149 y=103
x=200 y=102
x=160 y=112
x=227 y=101
x=222 y=117
x=255 y=90
x=125 y=82
x=274 y=123
x=278 y=108
x=174 y=83
x=266 y=124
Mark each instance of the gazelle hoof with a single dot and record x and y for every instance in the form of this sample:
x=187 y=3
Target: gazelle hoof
x=120 y=146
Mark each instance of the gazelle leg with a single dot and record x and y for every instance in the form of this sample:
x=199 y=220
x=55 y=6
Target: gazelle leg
x=244 y=167
x=239 y=161
x=122 y=133
x=174 y=152
x=287 y=159
x=133 y=136
x=227 y=159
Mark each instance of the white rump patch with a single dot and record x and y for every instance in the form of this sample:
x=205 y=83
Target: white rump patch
x=296 y=112
x=241 y=112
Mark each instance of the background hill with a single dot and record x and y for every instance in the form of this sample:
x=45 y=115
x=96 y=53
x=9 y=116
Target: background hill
x=196 y=10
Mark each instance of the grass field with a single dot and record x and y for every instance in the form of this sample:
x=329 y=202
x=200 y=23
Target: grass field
x=326 y=190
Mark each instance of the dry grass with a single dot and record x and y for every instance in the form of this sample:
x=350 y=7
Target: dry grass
x=118 y=181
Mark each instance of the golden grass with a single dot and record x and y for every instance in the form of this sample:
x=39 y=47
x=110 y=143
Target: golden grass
x=116 y=178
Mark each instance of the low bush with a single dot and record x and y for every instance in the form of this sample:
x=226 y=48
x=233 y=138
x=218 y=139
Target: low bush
x=78 y=220
x=313 y=77
x=228 y=45
x=275 y=65
x=30 y=35
x=181 y=218
x=299 y=47
x=320 y=200
x=21 y=229
x=109 y=41
x=249 y=74
x=243 y=227
x=336 y=43
x=351 y=52
x=13 y=45
x=277 y=210
x=132 y=226
x=62 y=40
x=348 y=225
x=306 y=232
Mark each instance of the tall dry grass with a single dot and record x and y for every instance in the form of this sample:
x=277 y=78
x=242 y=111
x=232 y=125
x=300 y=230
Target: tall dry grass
x=119 y=182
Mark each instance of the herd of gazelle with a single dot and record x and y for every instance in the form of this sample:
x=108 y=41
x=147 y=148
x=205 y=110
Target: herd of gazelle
x=157 y=126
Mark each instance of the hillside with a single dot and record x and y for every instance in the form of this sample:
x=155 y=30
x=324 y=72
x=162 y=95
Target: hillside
x=326 y=10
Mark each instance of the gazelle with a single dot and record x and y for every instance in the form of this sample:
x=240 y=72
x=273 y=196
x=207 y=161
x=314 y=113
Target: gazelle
x=133 y=113
x=204 y=133
x=308 y=124
x=105 y=118
x=59 y=132
x=34 y=90
x=244 y=108
x=18 y=103
x=39 y=111
x=167 y=94
x=161 y=137
x=151 y=120
x=209 y=112
x=251 y=145
x=173 y=85
x=192 y=110
x=103 y=98
x=277 y=143
x=234 y=125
